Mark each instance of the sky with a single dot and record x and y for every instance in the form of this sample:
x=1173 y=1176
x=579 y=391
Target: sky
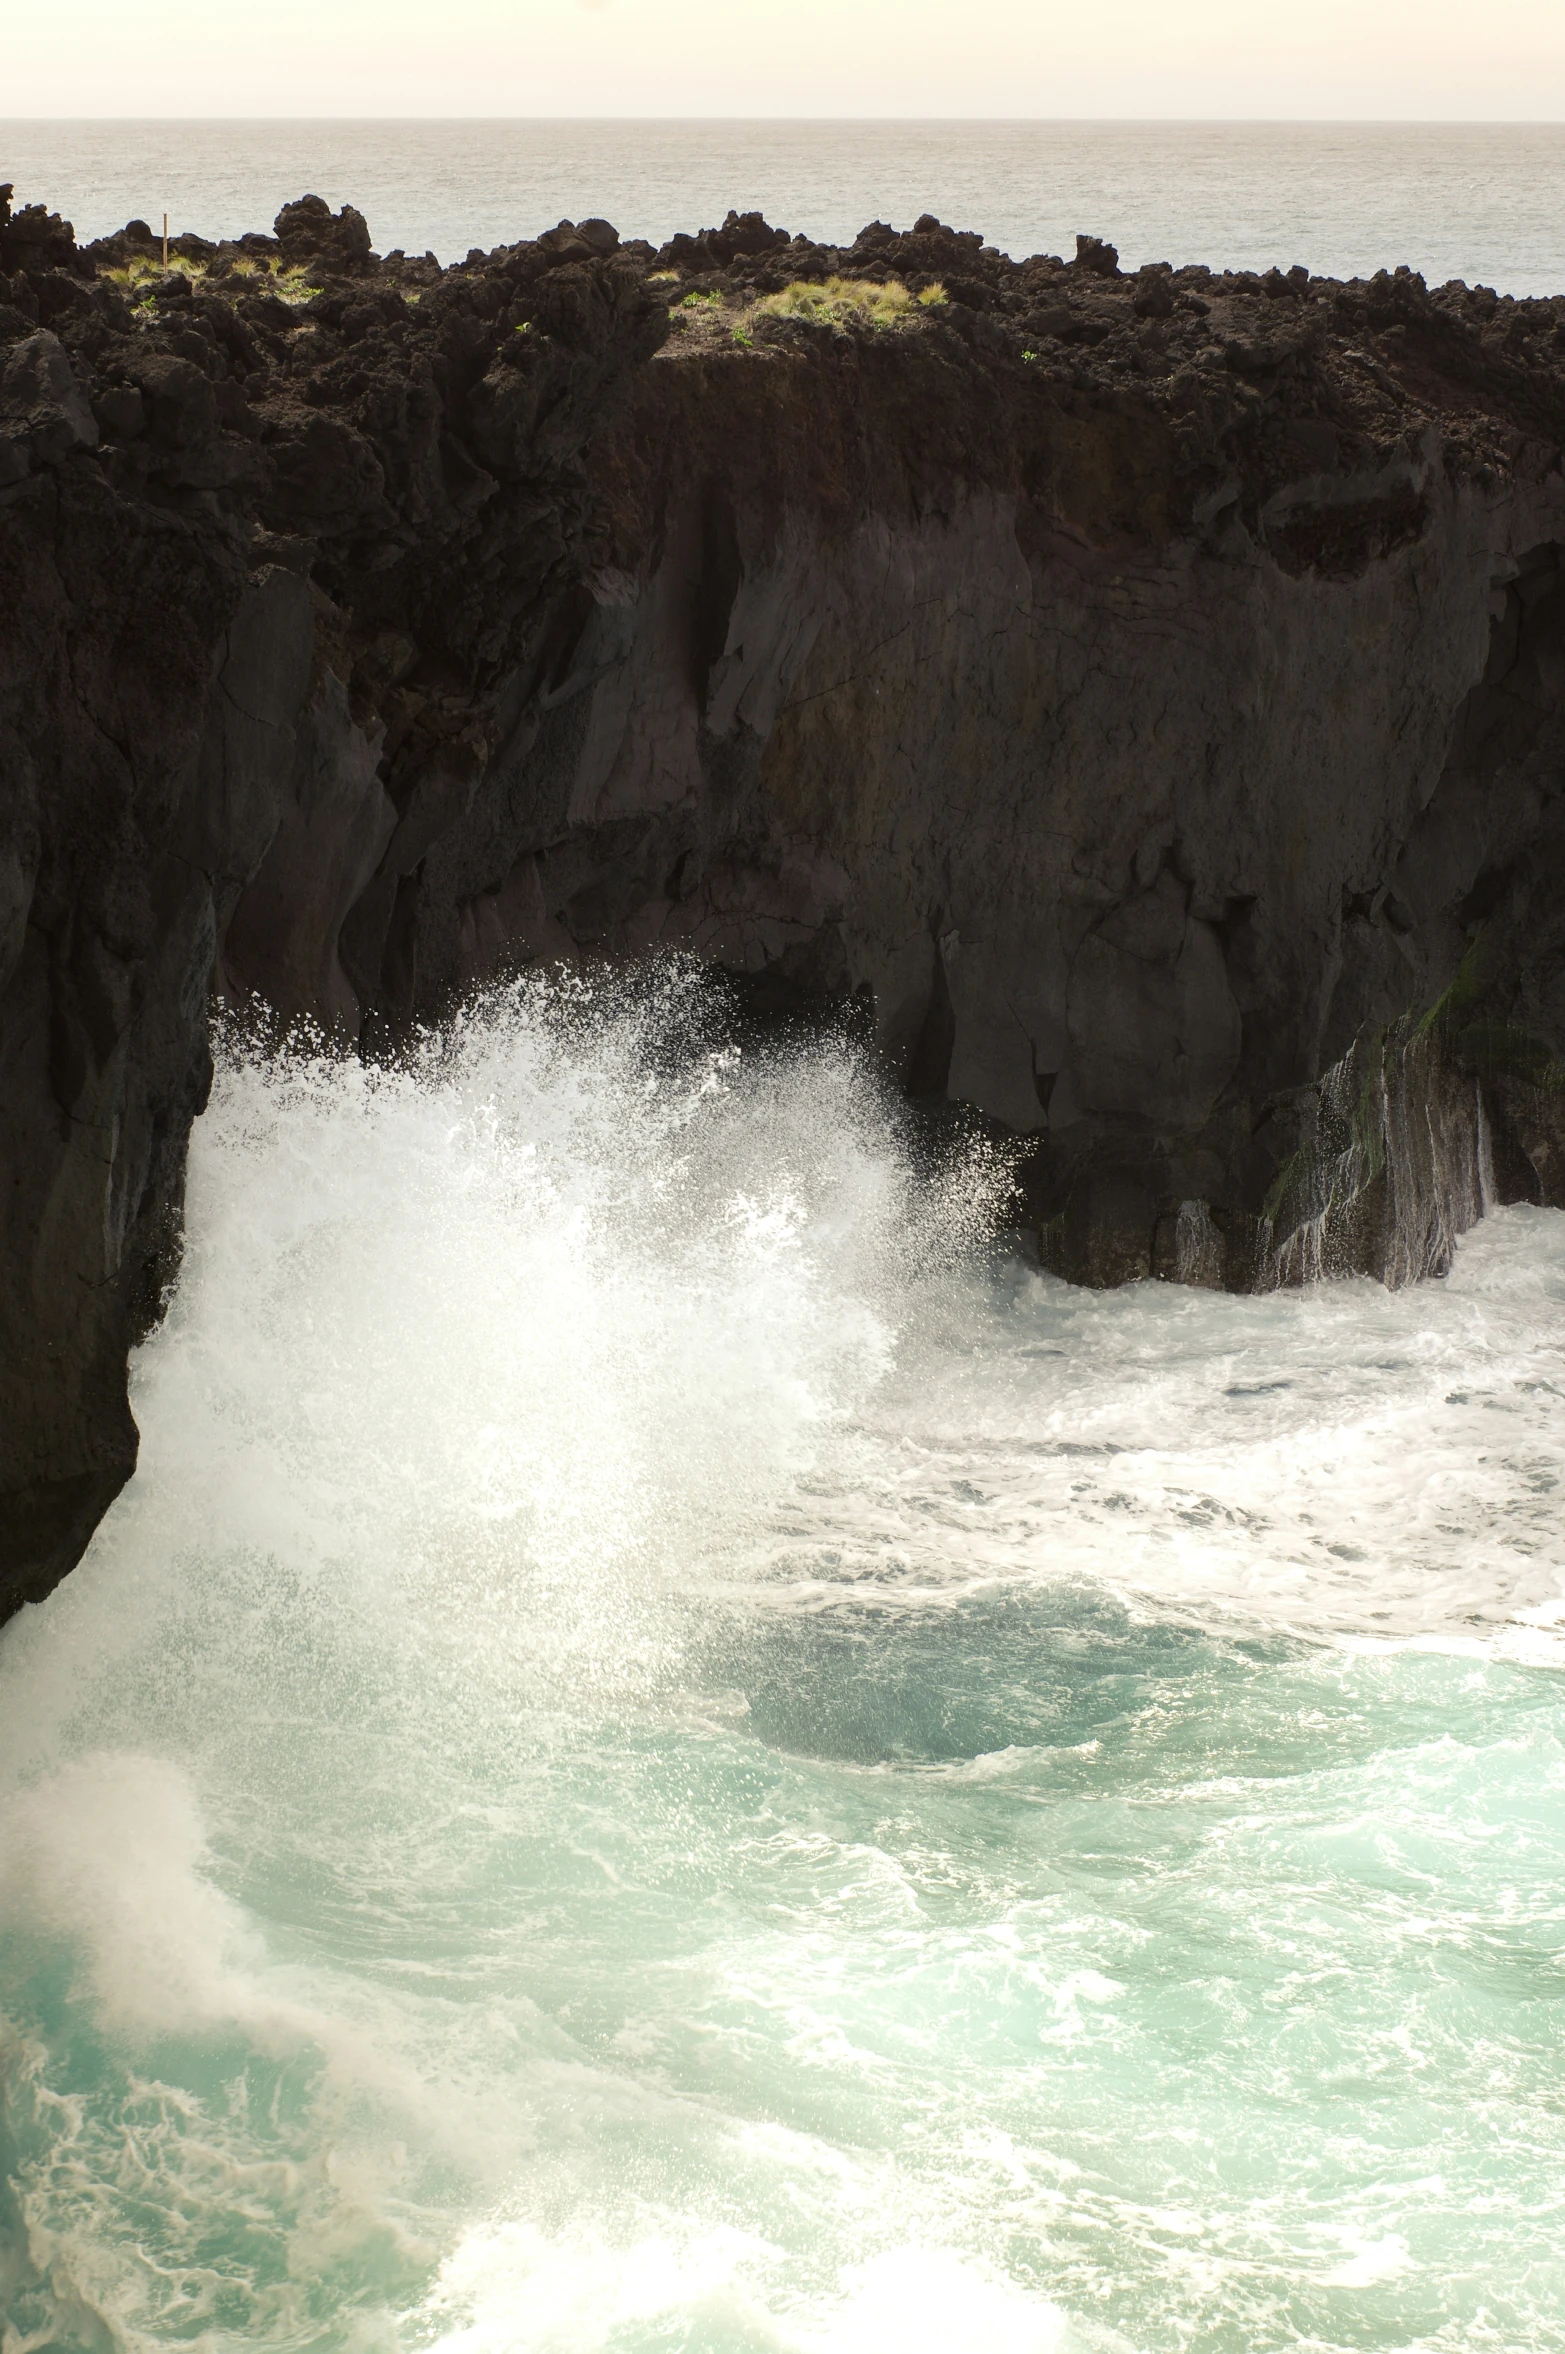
x=1377 y=60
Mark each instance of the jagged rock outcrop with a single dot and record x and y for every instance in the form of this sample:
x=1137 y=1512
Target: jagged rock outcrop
x=253 y=566
x=1142 y=693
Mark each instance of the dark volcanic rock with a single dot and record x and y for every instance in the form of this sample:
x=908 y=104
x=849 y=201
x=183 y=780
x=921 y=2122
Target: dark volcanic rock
x=1099 y=259
x=34 y=238
x=310 y=234
x=1145 y=693
x=194 y=728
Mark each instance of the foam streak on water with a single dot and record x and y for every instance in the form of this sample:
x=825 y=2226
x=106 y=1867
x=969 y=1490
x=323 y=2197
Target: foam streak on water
x=666 y=1751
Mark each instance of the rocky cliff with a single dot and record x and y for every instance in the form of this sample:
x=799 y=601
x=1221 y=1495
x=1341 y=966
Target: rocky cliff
x=1145 y=695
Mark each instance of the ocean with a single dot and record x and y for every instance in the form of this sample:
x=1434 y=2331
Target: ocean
x=1484 y=202
x=673 y=1748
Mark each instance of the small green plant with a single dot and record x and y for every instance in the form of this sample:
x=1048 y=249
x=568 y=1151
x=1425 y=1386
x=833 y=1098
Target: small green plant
x=1029 y=355
x=295 y=285
x=524 y=326
x=139 y=275
x=742 y=335
x=702 y=302
x=832 y=302
x=141 y=267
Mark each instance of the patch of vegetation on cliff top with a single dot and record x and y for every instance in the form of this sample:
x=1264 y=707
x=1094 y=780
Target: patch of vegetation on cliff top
x=832 y=302
x=141 y=267
x=835 y=302
x=139 y=276
x=295 y=285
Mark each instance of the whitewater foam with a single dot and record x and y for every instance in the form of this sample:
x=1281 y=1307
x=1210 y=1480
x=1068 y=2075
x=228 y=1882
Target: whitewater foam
x=668 y=1750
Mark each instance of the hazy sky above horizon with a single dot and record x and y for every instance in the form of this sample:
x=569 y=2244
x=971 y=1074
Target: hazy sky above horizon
x=1378 y=60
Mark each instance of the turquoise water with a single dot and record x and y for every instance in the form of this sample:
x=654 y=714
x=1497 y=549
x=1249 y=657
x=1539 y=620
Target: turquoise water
x=669 y=1750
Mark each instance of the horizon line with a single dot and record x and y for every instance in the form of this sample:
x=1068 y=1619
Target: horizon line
x=1189 y=121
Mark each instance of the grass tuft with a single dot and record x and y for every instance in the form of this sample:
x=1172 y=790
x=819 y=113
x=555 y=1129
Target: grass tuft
x=140 y=268
x=295 y=285
x=873 y=302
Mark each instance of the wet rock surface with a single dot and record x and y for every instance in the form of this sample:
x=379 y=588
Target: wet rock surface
x=1136 y=691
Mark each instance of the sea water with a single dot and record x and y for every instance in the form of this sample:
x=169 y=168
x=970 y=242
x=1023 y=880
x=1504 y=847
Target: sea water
x=1480 y=201
x=673 y=1748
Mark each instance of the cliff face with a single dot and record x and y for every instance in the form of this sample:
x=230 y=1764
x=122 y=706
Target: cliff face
x=1140 y=692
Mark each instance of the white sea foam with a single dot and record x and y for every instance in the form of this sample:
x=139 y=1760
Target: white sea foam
x=104 y=1854
x=665 y=1751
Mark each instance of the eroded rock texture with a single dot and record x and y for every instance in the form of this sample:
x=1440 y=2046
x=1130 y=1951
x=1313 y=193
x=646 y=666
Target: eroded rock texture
x=1141 y=693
